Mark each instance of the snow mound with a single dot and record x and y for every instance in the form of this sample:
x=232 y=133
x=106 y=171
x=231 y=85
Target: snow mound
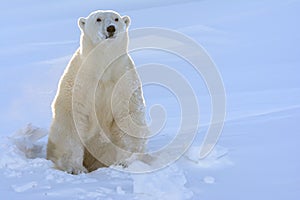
x=216 y=159
x=167 y=183
x=25 y=171
x=27 y=141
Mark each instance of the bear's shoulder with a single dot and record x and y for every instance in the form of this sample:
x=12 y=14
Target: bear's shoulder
x=66 y=82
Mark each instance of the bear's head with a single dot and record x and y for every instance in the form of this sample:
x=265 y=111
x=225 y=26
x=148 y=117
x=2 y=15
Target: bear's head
x=101 y=25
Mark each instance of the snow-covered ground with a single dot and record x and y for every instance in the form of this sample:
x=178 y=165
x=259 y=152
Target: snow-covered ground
x=255 y=45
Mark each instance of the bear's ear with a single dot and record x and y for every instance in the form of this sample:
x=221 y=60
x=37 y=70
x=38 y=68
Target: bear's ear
x=126 y=19
x=81 y=22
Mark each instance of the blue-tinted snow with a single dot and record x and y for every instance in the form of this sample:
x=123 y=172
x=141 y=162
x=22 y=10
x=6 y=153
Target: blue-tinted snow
x=255 y=45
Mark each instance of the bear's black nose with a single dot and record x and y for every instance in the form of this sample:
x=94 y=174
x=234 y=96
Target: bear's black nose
x=111 y=29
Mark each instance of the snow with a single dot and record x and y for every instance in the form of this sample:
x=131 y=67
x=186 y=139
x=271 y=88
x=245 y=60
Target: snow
x=255 y=45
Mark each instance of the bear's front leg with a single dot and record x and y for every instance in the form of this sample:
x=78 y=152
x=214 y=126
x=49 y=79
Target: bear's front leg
x=65 y=149
x=129 y=129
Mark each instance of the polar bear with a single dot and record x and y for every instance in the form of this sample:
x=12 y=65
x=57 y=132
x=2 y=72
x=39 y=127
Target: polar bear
x=99 y=109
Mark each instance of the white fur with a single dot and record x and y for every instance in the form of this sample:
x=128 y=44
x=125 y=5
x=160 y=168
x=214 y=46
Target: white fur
x=90 y=126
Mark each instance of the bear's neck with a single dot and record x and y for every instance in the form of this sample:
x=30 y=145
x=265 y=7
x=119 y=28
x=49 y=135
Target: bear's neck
x=86 y=45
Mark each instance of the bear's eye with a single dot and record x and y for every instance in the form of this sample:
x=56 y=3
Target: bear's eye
x=117 y=19
x=98 y=20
